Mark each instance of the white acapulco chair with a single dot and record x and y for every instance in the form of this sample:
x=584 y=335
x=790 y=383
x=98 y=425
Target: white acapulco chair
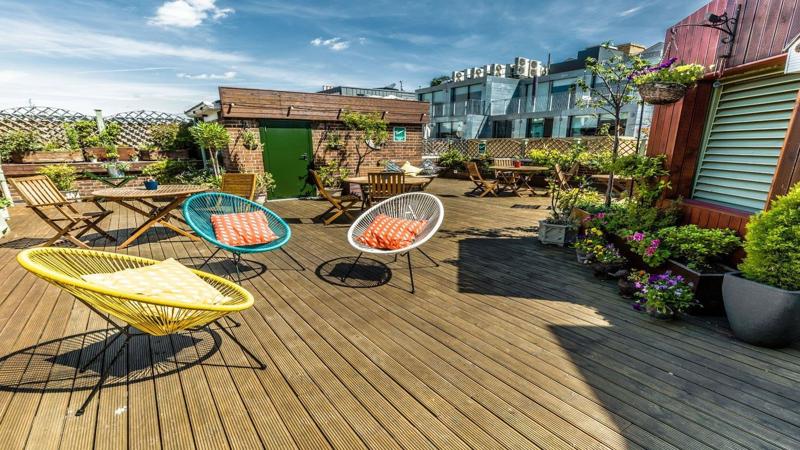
x=413 y=205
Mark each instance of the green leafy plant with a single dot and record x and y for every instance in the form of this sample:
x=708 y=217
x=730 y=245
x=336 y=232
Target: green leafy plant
x=17 y=143
x=112 y=152
x=79 y=134
x=110 y=133
x=62 y=175
x=249 y=139
x=211 y=137
x=118 y=165
x=51 y=146
x=439 y=80
x=171 y=136
x=166 y=171
x=565 y=159
x=593 y=240
x=334 y=140
x=563 y=201
x=667 y=72
x=452 y=158
x=772 y=243
x=608 y=254
x=666 y=294
x=697 y=247
x=373 y=130
x=332 y=173
x=265 y=182
x=5 y=202
x=650 y=248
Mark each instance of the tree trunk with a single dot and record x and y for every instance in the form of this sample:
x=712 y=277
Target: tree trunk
x=614 y=154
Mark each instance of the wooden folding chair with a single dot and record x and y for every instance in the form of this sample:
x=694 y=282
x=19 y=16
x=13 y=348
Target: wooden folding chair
x=42 y=196
x=563 y=177
x=506 y=179
x=241 y=184
x=339 y=205
x=481 y=185
x=383 y=185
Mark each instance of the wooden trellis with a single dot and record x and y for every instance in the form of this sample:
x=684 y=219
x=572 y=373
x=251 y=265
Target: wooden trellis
x=513 y=148
x=49 y=122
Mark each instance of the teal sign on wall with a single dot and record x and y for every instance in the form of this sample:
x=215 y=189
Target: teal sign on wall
x=482 y=148
x=399 y=134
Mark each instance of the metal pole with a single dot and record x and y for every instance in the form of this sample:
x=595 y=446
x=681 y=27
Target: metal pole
x=639 y=130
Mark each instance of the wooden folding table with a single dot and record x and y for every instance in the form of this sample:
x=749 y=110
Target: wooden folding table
x=158 y=214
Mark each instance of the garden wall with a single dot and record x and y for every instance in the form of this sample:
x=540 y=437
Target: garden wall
x=512 y=148
x=240 y=159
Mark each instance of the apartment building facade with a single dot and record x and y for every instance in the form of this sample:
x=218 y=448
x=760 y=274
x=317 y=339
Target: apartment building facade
x=543 y=103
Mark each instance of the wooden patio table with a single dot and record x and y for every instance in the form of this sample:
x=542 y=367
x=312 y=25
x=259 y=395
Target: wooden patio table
x=527 y=173
x=157 y=214
x=418 y=183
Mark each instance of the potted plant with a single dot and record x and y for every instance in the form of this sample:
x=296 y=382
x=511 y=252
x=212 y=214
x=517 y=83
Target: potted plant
x=135 y=155
x=608 y=262
x=666 y=83
x=151 y=184
x=16 y=145
x=632 y=283
x=64 y=177
x=588 y=243
x=249 y=139
x=116 y=169
x=265 y=183
x=664 y=296
x=452 y=160
x=648 y=248
x=211 y=137
x=763 y=300
x=111 y=152
x=697 y=254
x=559 y=228
x=334 y=140
x=331 y=174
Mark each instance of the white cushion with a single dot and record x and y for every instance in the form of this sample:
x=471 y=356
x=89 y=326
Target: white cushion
x=410 y=169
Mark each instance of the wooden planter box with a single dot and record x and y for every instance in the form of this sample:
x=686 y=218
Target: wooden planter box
x=149 y=155
x=126 y=153
x=49 y=157
x=97 y=152
x=176 y=154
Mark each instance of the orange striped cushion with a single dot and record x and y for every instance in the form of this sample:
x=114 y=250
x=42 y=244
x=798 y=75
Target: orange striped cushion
x=391 y=233
x=237 y=229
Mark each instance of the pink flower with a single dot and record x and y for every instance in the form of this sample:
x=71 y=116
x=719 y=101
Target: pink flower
x=650 y=251
x=638 y=236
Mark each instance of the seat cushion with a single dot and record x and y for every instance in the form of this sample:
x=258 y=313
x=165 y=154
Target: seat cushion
x=239 y=229
x=410 y=169
x=165 y=280
x=391 y=233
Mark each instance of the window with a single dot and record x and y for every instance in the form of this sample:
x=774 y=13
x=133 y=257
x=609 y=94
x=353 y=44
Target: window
x=609 y=119
x=582 y=126
x=744 y=135
x=427 y=97
x=501 y=129
x=535 y=128
x=449 y=129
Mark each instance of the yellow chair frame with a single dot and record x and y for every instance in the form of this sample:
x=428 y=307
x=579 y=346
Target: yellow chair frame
x=65 y=267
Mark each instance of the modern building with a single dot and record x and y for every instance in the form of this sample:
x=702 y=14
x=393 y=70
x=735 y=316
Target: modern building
x=543 y=102
x=389 y=91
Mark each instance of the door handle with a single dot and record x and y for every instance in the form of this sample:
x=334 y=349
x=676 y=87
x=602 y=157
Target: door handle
x=304 y=157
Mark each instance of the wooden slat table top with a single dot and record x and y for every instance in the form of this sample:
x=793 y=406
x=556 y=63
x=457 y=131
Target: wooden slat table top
x=163 y=191
x=411 y=181
x=507 y=344
x=521 y=169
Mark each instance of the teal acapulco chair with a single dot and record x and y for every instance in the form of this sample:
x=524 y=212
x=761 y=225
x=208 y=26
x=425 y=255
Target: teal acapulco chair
x=197 y=211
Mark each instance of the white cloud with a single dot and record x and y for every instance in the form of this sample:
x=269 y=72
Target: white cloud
x=70 y=41
x=187 y=13
x=208 y=76
x=336 y=44
x=631 y=11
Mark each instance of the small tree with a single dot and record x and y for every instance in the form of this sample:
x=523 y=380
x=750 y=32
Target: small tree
x=614 y=88
x=439 y=80
x=211 y=137
x=373 y=131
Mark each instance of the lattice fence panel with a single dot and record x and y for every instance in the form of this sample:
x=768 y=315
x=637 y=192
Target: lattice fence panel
x=136 y=125
x=511 y=148
x=49 y=122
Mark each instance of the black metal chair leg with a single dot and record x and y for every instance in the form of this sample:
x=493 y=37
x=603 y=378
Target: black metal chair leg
x=429 y=257
x=261 y=365
x=234 y=322
x=237 y=259
x=209 y=258
x=410 y=272
x=350 y=270
x=100 y=353
x=103 y=376
x=302 y=268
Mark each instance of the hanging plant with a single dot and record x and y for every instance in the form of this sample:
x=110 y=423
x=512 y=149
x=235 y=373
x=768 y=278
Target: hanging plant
x=334 y=140
x=666 y=83
x=249 y=140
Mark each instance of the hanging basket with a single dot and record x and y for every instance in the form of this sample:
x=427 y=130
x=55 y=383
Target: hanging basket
x=662 y=93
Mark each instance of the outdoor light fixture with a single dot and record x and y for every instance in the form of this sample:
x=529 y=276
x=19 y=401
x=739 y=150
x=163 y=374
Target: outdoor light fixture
x=721 y=22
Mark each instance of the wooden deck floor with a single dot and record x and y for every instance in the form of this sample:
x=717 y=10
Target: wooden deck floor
x=507 y=344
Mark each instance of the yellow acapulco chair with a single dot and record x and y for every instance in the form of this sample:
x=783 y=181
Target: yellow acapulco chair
x=65 y=267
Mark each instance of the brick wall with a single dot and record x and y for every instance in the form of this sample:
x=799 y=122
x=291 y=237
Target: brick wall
x=240 y=159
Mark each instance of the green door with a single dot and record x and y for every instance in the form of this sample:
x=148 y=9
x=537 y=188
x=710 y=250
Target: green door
x=287 y=155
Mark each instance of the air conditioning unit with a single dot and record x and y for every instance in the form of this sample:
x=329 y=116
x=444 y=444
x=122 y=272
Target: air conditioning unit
x=479 y=72
x=521 y=66
x=499 y=70
x=459 y=76
x=468 y=73
x=535 y=68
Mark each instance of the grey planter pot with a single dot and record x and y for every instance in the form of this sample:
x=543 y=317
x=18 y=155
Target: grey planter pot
x=551 y=233
x=760 y=314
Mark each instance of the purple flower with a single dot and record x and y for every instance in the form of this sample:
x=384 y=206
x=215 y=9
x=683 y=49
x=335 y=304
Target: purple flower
x=638 y=236
x=650 y=251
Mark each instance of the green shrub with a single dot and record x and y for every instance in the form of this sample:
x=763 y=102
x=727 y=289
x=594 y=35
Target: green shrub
x=452 y=158
x=699 y=247
x=82 y=134
x=171 y=136
x=773 y=244
x=687 y=74
x=166 y=171
x=18 y=143
x=62 y=175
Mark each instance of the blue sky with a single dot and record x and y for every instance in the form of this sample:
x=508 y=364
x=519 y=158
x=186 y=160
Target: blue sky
x=169 y=55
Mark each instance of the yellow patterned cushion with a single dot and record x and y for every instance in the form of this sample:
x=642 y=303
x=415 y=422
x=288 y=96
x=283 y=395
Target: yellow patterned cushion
x=166 y=280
